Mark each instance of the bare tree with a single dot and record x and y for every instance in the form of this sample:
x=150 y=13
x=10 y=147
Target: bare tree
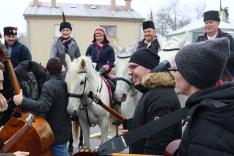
x=199 y=9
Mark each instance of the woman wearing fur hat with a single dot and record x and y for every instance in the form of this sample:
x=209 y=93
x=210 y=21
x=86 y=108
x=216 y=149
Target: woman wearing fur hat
x=65 y=44
x=101 y=52
x=158 y=99
x=210 y=117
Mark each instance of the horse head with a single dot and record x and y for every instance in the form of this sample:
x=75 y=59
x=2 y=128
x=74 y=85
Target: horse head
x=123 y=79
x=78 y=81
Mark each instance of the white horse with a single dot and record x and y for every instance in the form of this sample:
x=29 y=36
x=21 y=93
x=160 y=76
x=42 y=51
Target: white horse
x=82 y=79
x=125 y=92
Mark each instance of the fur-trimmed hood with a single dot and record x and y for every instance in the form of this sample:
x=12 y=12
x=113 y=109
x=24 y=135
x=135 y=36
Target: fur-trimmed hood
x=159 y=79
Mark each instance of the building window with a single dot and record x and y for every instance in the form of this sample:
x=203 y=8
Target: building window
x=111 y=31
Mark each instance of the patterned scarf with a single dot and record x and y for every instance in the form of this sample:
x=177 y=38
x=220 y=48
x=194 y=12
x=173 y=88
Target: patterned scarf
x=65 y=42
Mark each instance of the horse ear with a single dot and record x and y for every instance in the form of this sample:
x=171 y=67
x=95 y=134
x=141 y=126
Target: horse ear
x=116 y=46
x=83 y=64
x=67 y=60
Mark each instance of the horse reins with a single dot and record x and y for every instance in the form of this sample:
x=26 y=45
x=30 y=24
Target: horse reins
x=171 y=49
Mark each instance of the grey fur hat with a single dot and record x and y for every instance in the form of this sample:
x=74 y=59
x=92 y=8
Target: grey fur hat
x=203 y=63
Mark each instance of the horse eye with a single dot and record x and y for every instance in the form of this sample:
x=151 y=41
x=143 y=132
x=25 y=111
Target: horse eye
x=82 y=82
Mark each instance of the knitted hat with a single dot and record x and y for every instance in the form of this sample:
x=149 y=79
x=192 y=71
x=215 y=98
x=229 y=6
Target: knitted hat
x=211 y=15
x=54 y=66
x=148 y=24
x=145 y=57
x=100 y=30
x=10 y=30
x=203 y=63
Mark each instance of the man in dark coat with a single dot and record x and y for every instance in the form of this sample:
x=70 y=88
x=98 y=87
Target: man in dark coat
x=52 y=103
x=212 y=20
x=210 y=117
x=150 y=39
x=158 y=99
x=16 y=50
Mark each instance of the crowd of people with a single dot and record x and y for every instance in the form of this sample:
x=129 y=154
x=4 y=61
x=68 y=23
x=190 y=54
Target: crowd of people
x=196 y=72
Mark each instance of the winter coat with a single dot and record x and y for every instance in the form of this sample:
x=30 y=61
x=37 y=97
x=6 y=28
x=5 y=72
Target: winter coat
x=52 y=103
x=106 y=56
x=210 y=130
x=158 y=99
x=57 y=50
x=19 y=53
x=154 y=45
x=230 y=63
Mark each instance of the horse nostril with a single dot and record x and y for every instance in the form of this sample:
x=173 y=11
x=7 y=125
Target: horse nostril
x=124 y=97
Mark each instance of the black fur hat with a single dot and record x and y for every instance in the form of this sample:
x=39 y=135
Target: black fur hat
x=203 y=63
x=65 y=24
x=10 y=30
x=211 y=15
x=148 y=24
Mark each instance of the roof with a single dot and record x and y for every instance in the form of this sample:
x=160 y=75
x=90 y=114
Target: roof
x=81 y=11
x=198 y=25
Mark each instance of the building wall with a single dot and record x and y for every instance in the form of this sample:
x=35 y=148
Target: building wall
x=41 y=34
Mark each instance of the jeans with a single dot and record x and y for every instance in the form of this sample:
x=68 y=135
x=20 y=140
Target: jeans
x=60 y=150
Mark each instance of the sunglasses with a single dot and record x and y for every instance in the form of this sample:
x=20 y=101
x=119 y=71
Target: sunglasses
x=172 y=69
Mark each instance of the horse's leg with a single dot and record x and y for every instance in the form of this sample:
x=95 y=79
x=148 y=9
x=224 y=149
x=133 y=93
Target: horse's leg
x=86 y=133
x=81 y=138
x=104 y=129
x=70 y=146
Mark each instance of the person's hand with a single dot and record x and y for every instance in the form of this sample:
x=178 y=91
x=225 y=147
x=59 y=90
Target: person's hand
x=18 y=98
x=106 y=67
x=122 y=130
x=3 y=103
x=20 y=153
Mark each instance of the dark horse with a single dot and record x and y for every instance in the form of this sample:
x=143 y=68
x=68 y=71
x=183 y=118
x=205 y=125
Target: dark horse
x=31 y=76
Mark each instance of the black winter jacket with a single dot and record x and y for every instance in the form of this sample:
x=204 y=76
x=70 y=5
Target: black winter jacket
x=154 y=45
x=230 y=63
x=53 y=103
x=19 y=53
x=158 y=99
x=210 y=130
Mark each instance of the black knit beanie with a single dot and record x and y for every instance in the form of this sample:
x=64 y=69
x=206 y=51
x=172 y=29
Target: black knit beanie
x=211 y=15
x=65 y=25
x=54 y=66
x=203 y=63
x=145 y=57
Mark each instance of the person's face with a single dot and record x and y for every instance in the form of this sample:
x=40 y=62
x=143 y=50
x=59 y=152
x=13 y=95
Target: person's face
x=136 y=72
x=1 y=80
x=66 y=32
x=99 y=37
x=149 y=34
x=10 y=39
x=211 y=27
x=181 y=85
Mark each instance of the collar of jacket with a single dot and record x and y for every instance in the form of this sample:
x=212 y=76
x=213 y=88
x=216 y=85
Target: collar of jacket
x=220 y=34
x=159 y=79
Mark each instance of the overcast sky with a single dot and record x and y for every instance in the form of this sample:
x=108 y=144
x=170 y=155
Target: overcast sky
x=12 y=10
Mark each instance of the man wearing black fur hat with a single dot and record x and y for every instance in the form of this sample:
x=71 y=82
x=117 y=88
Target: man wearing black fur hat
x=150 y=39
x=210 y=117
x=158 y=99
x=212 y=20
x=16 y=50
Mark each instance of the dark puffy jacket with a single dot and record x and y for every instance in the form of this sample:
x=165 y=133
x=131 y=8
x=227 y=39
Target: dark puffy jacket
x=158 y=99
x=19 y=53
x=230 y=64
x=210 y=130
x=154 y=45
x=106 y=55
x=53 y=103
